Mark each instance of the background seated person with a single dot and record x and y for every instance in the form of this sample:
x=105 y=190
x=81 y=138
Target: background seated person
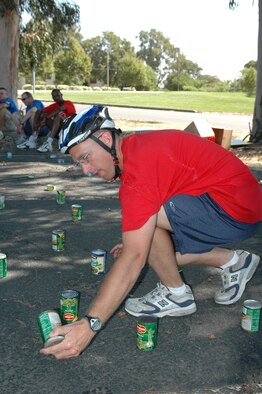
x=9 y=113
x=49 y=119
x=27 y=121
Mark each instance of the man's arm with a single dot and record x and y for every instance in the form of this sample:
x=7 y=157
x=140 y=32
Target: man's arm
x=29 y=114
x=55 y=112
x=118 y=283
x=4 y=105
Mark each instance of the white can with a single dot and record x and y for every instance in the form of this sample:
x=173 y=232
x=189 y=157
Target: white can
x=251 y=315
x=98 y=261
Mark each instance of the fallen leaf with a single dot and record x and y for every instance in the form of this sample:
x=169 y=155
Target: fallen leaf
x=121 y=314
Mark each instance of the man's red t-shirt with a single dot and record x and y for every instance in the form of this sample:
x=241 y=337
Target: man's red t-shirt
x=160 y=164
x=68 y=111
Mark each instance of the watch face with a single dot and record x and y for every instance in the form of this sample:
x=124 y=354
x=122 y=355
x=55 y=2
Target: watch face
x=95 y=323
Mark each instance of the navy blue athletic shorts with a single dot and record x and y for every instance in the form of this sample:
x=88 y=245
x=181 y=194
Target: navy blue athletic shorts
x=199 y=224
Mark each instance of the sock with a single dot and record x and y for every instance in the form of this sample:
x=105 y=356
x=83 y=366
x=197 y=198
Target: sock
x=231 y=262
x=178 y=290
x=33 y=137
x=50 y=140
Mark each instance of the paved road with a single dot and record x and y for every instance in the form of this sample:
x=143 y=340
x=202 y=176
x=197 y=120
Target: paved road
x=180 y=120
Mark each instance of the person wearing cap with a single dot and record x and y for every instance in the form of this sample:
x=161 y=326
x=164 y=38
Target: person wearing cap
x=48 y=121
x=9 y=113
x=27 y=121
x=184 y=201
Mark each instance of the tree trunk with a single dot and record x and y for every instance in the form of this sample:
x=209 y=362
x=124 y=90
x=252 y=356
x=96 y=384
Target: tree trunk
x=256 y=134
x=9 y=46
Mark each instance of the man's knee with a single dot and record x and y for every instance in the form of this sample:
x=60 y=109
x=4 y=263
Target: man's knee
x=9 y=122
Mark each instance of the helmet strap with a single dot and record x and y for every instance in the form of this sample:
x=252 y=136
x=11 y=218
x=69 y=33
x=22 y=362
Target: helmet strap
x=111 y=150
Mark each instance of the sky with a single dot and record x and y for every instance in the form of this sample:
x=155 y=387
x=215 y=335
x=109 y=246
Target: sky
x=219 y=40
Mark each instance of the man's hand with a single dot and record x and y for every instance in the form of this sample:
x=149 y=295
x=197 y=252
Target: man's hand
x=62 y=115
x=77 y=335
x=117 y=250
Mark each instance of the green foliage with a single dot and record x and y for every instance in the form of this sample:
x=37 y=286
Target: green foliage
x=133 y=72
x=40 y=87
x=49 y=87
x=44 y=33
x=190 y=88
x=251 y=63
x=157 y=51
x=72 y=65
x=106 y=52
x=63 y=87
x=232 y=4
x=177 y=81
x=61 y=14
x=27 y=87
x=248 y=80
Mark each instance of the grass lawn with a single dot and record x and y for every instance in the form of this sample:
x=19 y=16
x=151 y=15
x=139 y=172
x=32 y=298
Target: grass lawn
x=196 y=101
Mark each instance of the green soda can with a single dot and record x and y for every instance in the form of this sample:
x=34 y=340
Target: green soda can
x=77 y=212
x=98 y=261
x=251 y=315
x=146 y=328
x=47 y=321
x=3 y=265
x=58 y=240
x=61 y=196
x=69 y=305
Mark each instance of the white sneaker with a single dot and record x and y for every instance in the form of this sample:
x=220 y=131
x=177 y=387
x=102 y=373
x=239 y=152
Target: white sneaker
x=27 y=144
x=161 y=302
x=235 y=278
x=21 y=139
x=45 y=147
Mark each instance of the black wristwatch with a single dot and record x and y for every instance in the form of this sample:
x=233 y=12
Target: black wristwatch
x=94 y=322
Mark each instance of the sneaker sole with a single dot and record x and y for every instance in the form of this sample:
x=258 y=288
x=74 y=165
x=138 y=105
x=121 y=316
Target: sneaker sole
x=44 y=151
x=246 y=278
x=180 y=312
x=26 y=147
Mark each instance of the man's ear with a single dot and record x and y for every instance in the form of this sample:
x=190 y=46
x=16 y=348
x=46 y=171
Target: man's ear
x=106 y=138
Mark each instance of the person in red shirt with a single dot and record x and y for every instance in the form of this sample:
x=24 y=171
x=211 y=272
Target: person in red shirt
x=184 y=201
x=49 y=121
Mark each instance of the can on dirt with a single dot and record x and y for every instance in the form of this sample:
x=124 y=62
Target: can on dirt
x=2 y=202
x=69 y=306
x=9 y=155
x=98 y=261
x=47 y=321
x=50 y=187
x=251 y=315
x=77 y=212
x=146 y=329
x=58 y=240
x=61 y=196
x=3 y=265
